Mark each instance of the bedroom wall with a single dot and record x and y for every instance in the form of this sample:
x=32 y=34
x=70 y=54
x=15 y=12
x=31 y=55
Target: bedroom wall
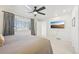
x=75 y=29
x=1 y=20
x=63 y=34
x=69 y=33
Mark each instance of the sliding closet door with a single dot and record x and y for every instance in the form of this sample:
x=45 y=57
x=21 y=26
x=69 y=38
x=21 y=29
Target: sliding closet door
x=8 y=24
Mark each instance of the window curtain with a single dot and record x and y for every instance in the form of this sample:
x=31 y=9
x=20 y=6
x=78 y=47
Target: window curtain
x=32 y=27
x=8 y=24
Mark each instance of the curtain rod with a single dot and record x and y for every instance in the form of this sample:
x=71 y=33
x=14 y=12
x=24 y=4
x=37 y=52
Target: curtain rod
x=17 y=15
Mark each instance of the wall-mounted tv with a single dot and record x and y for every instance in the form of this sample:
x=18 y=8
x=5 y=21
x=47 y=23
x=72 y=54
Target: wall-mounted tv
x=56 y=23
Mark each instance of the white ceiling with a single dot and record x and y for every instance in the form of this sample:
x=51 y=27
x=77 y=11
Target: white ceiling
x=50 y=11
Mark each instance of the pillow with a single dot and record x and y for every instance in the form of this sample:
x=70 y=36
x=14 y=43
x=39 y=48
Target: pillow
x=1 y=40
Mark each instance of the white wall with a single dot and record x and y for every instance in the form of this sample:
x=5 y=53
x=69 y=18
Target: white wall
x=69 y=33
x=63 y=34
x=75 y=30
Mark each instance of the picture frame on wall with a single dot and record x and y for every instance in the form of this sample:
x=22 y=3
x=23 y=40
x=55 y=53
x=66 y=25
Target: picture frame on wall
x=56 y=24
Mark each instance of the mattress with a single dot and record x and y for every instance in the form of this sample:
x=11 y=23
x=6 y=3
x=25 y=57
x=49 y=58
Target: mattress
x=26 y=45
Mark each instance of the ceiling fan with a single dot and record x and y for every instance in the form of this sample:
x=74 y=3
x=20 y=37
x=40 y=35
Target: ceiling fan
x=37 y=11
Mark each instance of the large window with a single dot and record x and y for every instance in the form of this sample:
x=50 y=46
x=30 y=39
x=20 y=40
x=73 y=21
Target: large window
x=22 y=24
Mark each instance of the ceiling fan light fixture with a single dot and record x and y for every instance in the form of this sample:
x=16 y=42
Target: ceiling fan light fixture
x=35 y=13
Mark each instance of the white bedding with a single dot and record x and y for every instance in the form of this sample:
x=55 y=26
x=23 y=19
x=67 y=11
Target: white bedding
x=25 y=44
x=12 y=39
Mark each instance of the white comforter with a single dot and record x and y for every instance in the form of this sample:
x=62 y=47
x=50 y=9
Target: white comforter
x=25 y=44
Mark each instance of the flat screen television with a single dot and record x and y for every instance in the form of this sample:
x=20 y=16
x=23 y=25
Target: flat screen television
x=56 y=23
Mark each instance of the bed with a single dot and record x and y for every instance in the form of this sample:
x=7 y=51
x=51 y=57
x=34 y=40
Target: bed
x=26 y=45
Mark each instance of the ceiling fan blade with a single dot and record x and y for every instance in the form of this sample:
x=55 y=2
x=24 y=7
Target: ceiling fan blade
x=42 y=8
x=34 y=9
x=41 y=13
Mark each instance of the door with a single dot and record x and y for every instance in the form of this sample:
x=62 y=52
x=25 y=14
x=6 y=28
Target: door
x=41 y=28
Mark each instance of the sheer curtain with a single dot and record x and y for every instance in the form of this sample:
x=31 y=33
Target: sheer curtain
x=22 y=26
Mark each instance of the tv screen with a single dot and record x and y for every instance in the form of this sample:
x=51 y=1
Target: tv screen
x=56 y=23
